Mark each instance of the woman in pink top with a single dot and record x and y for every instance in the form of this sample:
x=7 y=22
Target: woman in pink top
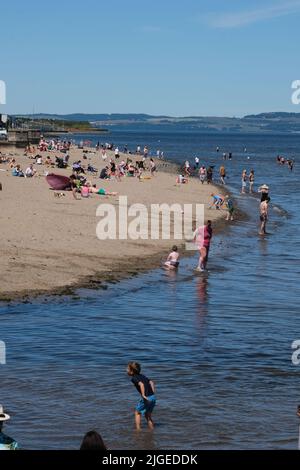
x=85 y=190
x=202 y=238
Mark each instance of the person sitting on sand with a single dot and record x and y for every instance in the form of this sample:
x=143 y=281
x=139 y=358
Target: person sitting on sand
x=172 y=260
x=104 y=173
x=91 y=169
x=30 y=172
x=12 y=163
x=85 y=190
x=130 y=170
x=218 y=200
x=122 y=167
x=181 y=179
x=74 y=185
x=16 y=171
x=77 y=167
x=48 y=161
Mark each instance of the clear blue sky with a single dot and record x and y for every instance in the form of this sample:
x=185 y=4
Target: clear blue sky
x=192 y=57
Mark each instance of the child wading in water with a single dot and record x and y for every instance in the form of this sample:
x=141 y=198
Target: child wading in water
x=146 y=388
x=172 y=260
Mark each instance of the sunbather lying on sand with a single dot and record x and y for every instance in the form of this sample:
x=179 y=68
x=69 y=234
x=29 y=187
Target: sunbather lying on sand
x=102 y=192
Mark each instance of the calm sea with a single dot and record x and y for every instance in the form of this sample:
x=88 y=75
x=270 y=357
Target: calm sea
x=217 y=345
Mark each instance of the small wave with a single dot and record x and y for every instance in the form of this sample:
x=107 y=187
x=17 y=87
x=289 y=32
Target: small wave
x=280 y=210
x=280 y=373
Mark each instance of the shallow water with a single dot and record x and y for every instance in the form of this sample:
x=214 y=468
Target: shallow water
x=218 y=345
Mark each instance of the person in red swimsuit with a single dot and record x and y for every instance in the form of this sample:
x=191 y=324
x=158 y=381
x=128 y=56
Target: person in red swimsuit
x=202 y=237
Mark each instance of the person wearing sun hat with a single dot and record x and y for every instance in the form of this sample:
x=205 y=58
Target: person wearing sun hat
x=6 y=442
x=264 y=190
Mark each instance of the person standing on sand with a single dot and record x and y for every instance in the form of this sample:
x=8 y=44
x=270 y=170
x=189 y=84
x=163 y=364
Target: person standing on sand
x=152 y=167
x=209 y=175
x=197 y=161
x=202 y=238
x=202 y=174
x=146 y=388
x=103 y=154
x=263 y=209
x=187 y=168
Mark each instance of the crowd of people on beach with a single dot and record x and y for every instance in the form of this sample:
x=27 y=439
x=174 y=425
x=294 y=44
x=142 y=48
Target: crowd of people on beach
x=142 y=168
x=121 y=164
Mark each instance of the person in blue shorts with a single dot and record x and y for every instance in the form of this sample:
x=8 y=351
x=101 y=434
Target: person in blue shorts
x=146 y=389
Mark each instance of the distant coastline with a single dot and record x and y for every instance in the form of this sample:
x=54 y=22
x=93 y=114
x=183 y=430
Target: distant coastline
x=75 y=131
x=264 y=123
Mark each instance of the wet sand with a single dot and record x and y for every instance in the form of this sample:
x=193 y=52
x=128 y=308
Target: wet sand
x=49 y=245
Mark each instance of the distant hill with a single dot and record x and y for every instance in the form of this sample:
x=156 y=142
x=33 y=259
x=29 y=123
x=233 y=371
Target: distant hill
x=276 y=122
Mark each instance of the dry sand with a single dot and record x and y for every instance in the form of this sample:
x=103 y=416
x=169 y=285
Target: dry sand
x=49 y=244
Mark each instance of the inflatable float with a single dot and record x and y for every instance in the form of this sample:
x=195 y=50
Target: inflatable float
x=58 y=182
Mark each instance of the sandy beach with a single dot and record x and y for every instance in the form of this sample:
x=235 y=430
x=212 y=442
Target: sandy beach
x=49 y=244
